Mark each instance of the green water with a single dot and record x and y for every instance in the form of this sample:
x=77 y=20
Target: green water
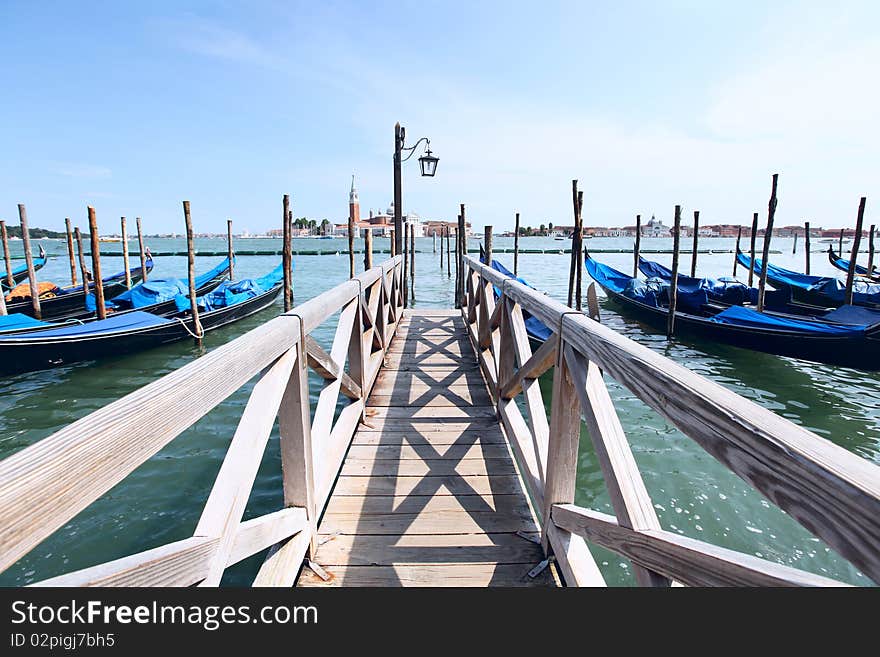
x=693 y=494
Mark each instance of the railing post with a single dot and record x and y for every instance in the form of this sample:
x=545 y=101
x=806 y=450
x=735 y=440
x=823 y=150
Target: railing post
x=295 y=428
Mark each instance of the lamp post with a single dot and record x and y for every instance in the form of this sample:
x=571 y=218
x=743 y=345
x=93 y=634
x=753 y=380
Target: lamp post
x=428 y=166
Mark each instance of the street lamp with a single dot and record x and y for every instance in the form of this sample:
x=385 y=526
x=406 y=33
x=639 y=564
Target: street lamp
x=428 y=166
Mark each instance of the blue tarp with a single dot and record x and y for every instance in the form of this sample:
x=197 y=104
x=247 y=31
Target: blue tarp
x=842 y=264
x=780 y=275
x=17 y=321
x=724 y=290
x=157 y=290
x=230 y=293
x=753 y=319
x=114 y=323
x=534 y=327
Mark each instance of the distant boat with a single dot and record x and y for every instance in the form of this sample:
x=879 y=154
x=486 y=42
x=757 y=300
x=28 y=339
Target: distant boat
x=326 y=237
x=832 y=240
x=109 y=239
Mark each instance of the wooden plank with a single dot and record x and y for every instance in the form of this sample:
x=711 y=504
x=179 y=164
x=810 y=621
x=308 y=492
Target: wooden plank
x=436 y=396
x=182 y=563
x=323 y=364
x=428 y=425
x=370 y=550
x=383 y=505
x=419 y=451
x=468 y=376
x=440 y=485
x=481 y=575
x=687 y=560
x=398 y=360
x=262 y=532
x=284 y=561
x=538 y=363
x=431 y=413
x=427 y=467
x=438 y=522
x=492 y=435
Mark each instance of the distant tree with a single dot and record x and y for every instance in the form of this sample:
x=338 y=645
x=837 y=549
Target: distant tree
x=550 y=226
x=325 y=226
x=543 y=229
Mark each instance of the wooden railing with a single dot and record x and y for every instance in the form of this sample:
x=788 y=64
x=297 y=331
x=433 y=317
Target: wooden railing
x=831 y=492
x=45 y=485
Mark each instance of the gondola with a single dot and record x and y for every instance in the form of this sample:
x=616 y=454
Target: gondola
x=155 y=296
x=537 y=331
x=824 y=341
x=70 y=300
x=21 y=272
x=816 y=290
x=843 y=265
x=137 y=330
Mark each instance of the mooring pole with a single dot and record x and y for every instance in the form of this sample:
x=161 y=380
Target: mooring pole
x=290 y=253
x=434 y=240
x=871 y=252
x=125 y=264
x=577 y=248
x=393 y=244
x=285 y=251
x=397 y=236
x=448 y=252
x=82 y=262
x=673 y=284
x=696 y=238
x=191 y=272
x=442 y=233
x=368 y=249
x=516 y=246
x=768 y=234
x=840 y=244
x=10 y=281
x=100 y=309
x=754 y=236
x=807 y=247
x=574 y=255
x=487 y=244
x=739 y=232
x=412 y=262
x=637 y=245
x=457 y=268
x=794 y=246
x=29 y=259
x=405 y=264
x=351 y=229
x=143 y=252
x=462 y=252
x=230 y=254
x=854 y=253
x=70 y=255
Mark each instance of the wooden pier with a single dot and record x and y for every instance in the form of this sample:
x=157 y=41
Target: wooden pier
x=428 y=457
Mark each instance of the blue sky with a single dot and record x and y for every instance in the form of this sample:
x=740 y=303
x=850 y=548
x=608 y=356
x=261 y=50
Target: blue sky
x=133 y=108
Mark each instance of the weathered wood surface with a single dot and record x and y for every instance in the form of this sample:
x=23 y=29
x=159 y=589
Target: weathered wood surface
x=428 y=494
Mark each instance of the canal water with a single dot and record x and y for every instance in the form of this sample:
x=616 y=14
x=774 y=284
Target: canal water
x=694 y=495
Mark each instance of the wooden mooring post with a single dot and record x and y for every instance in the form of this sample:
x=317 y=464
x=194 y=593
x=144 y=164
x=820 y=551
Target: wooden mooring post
x=81 y=255
x=794 y=245
x=230 y=253
x=768 y=234
x=3 y=303
x=574 y=255
x=125 y=264
x=434 y=240
x=871 y=251
x=95 y=242
x=637 y=245
x=442 y=232
x=286 y=256
x=461 y=236
x=448 y=253
x=807 y=248
x=142 y=250
x=393 y=244
x=516 y=246
x=412 y=262
x=696 y=241
x=754 y=236
x=70 y=255
x=487 y=244
x=576 y=247
x=405 y=263
x=673 y=284
x=739 y=232
x=191 y=274
x=29 y=259
x=368 y=249
x=10 y=281
x=854 y=253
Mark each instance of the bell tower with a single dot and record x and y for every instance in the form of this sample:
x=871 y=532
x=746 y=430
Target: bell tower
x=354 y=207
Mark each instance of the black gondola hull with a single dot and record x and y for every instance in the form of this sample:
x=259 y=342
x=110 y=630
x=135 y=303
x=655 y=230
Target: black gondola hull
x=33 y=353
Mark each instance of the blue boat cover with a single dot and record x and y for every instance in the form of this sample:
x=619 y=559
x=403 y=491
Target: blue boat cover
x=842 y=264
x=114 y=323
x=17 y=321
x=740 y=316
x=534 y=326
x=852 y=315
x=157 y=290
x=229 y=293
x=783 y=276
x=725 y=290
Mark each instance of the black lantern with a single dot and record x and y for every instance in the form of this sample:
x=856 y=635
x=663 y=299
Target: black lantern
x=428 y=163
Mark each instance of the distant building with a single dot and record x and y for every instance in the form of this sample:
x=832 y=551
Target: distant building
x=655 y=228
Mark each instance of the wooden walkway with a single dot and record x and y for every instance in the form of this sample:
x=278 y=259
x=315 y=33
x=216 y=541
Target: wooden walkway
x=429 y=494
